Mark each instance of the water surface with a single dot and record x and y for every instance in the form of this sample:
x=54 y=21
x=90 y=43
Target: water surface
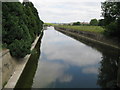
x=66 y=63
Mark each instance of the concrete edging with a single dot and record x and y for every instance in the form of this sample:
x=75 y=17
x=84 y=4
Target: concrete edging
x=19 y=68
x=89 y=38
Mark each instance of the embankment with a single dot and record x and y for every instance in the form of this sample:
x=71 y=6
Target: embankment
x=93 y=37
x=12 y=68
x=27 y=76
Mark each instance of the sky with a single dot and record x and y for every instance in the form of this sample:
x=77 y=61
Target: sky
x=66 y=11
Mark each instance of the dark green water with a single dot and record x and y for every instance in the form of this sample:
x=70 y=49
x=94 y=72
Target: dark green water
x=66 y=61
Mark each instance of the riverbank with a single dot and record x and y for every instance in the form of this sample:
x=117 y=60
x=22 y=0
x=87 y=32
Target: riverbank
x=26 y=79
x=93 y=29
x=19 y=67
x=91 y=36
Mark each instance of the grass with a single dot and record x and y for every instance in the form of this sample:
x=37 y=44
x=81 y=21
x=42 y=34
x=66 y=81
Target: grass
x=3 y=46
x=96 y=29
x=50 y=24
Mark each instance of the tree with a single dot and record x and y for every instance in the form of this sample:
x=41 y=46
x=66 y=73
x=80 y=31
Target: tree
x=76 y=23
x=33 y=19
x=21 y=24
x=101 y=22
x=94 y=22
x=19 y=48
x=111 y=14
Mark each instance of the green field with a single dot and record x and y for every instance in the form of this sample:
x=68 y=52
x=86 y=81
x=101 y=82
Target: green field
x=96 y=29
x=49 y=24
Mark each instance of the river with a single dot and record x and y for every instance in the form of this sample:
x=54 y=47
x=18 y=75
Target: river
x=65 y=62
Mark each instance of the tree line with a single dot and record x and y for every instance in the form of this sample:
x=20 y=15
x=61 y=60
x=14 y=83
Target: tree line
x=21 y=25
x=93 y=22
x=111 y=21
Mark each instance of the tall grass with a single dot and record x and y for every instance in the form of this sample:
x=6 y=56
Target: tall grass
x=96 y=29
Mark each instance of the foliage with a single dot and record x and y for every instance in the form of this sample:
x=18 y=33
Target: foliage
x=76 y=23
x=21 y=24
x=101 y=22
x=49 y=24
x=28 y=81
x=111 y=13
x=94 y=22
x=19 y=48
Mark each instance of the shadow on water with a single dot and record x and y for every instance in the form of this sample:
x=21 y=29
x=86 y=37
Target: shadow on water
x=109 y=71
x=26 y=79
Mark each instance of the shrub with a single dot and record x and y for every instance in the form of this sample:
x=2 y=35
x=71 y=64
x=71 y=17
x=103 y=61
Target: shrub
x=20 y=48
x=111 y=29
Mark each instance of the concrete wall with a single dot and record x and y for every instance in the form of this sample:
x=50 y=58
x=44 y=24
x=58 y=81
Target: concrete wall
x=12 y=68
x=8 y=66
x=93 y=36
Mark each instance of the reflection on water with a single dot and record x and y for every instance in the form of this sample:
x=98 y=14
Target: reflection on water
x=65 y=62
x=109 y=70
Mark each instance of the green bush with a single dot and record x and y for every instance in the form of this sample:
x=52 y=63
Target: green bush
x=94 y=22
x=21 y=24
x=19 y=48
x=111 y=29
x=76 y=23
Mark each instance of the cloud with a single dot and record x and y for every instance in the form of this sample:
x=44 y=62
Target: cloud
x=66 y=78
x=90 y=70
x=68 y=10
x=49 y=72
x=60 y=57
x=73 y=53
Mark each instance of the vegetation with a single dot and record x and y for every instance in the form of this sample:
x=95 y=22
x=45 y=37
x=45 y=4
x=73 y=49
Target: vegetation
x=26 y=79
x=94 y=22
x=96 y=29
x=111 y=13
x=110 y=24
x=101 y=22
x=49 y=24
x=21 y=24
x=76 y=23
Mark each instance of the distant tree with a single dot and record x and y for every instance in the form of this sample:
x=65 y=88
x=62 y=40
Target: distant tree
x=111 y=13
x=76 y=23
x=101 y=22
x=94 y=22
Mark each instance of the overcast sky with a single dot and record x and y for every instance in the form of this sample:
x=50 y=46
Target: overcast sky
x=65 y=11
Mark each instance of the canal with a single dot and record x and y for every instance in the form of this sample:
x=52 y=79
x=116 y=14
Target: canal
x=65 y=62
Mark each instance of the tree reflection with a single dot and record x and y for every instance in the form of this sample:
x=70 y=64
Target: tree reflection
x=108 y=74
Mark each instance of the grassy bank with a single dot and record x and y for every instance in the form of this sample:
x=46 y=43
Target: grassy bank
x=49 y=24
x=96 y=29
